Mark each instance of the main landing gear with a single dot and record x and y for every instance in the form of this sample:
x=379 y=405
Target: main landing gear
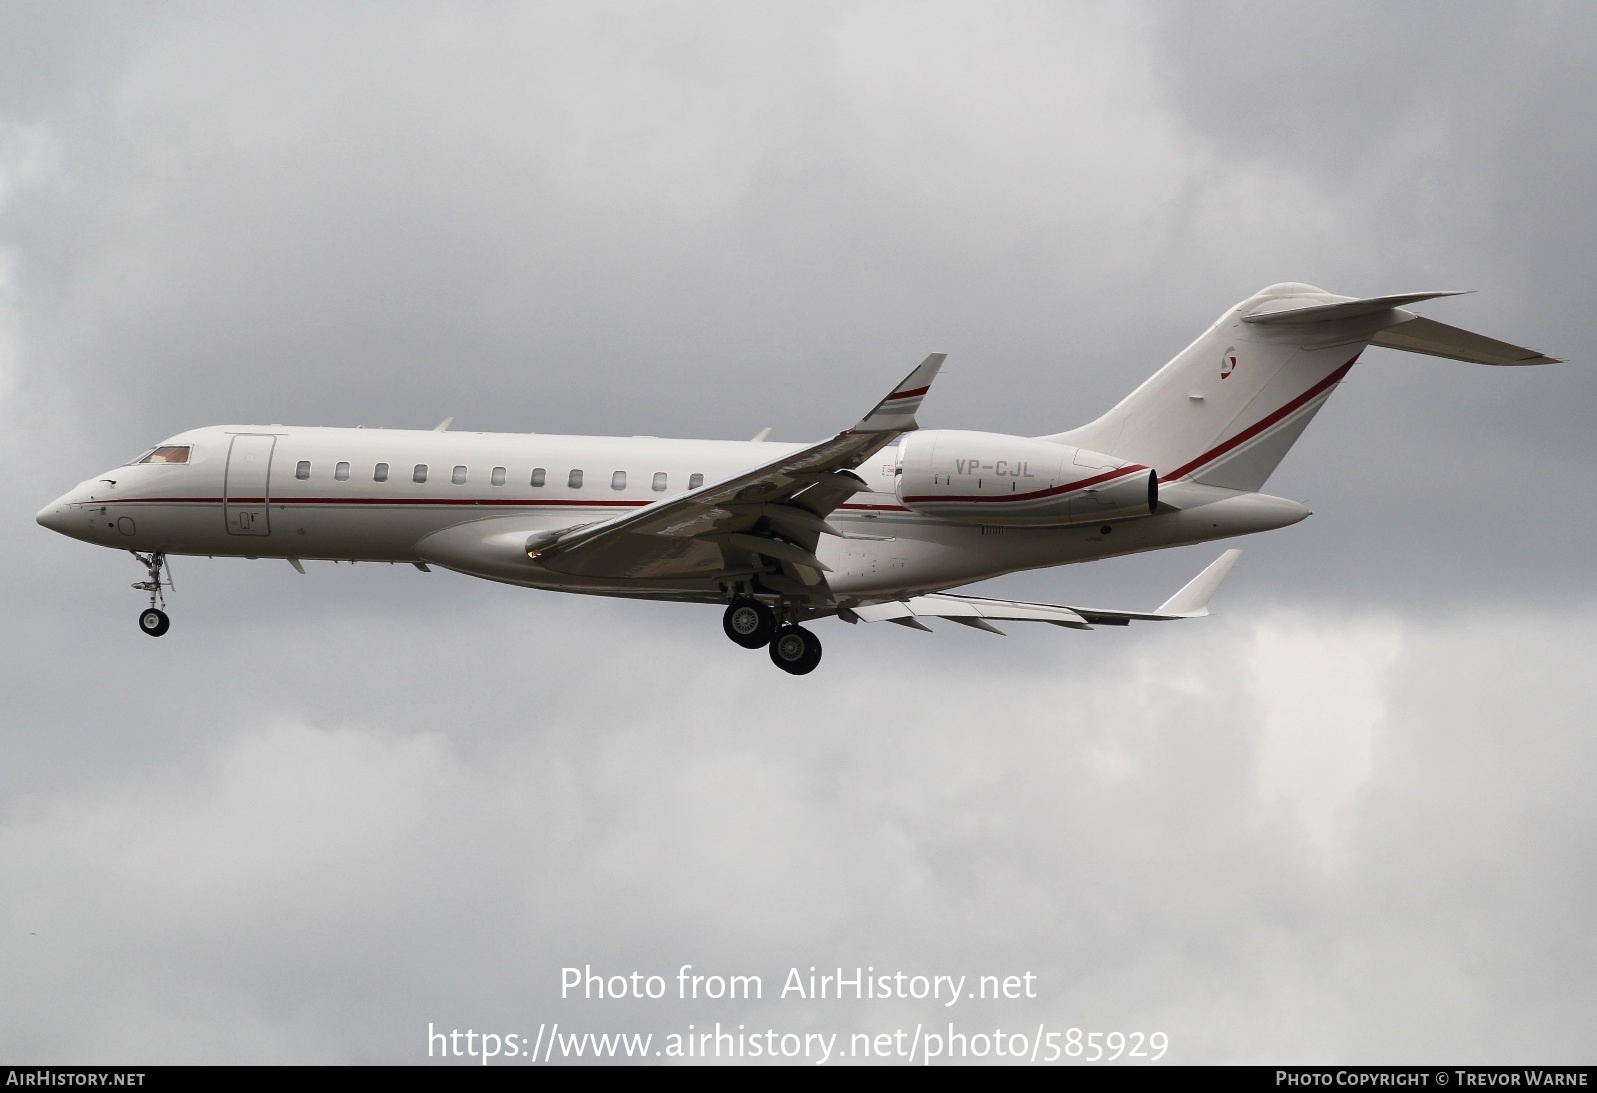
x=749 y=623
x=752 y=625
x=152 y=620
x=795 y=650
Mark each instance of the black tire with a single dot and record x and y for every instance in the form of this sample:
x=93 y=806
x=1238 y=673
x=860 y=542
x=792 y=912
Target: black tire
x=153 y=621
x=795 y=650
x=749 y=623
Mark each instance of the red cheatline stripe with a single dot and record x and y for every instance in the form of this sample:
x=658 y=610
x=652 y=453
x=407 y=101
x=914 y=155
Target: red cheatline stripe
x=1069 y=487
x=388 y=501
x=907 y=394
x=526 y=503
x=1264 y=423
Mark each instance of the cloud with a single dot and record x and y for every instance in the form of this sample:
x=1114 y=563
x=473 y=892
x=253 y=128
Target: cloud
x=1320 y=697
x=1129 y=828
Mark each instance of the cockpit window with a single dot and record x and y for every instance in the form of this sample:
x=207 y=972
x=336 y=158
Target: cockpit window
x=168 y=453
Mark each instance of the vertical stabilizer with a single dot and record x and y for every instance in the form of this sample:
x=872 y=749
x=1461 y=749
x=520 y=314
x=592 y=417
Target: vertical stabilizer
x=1225 y=411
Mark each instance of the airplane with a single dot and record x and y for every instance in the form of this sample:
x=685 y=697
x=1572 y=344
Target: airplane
x=875 y=524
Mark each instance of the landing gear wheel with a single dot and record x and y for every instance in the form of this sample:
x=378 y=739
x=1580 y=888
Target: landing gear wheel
x=795 y=650
x=153 y=621
x=749 y=622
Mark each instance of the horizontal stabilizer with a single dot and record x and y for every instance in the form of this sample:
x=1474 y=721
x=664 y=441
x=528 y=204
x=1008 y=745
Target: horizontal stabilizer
x=1346 y=309
x=1419 y=335
x=1407 y=331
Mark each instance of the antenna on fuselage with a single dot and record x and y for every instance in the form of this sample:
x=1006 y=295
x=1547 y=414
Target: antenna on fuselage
x=443 y=426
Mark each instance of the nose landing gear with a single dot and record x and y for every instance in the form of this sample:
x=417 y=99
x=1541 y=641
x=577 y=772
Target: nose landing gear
x=153 y=620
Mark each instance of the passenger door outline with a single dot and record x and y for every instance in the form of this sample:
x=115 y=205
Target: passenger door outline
x=247 y=484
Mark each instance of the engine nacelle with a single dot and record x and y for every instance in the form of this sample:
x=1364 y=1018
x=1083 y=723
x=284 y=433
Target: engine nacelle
x=990 y=478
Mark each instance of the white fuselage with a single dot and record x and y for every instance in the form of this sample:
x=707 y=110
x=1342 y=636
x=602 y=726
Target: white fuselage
x=314 y=493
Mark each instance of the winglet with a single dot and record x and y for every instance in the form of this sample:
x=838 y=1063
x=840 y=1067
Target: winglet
x=896 y=412
x=1193 y=599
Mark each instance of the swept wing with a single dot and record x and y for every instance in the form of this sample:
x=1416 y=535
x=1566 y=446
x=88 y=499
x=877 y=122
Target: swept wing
x=977 y=611
x=770 y=516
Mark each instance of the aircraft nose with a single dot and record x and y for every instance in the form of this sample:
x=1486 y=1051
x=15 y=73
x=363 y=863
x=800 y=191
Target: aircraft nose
x=58 y=515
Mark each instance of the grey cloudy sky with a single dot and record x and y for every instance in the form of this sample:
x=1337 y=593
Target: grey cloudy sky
x=1347 y=819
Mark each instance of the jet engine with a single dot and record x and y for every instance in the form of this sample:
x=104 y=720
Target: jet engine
x=990 y=478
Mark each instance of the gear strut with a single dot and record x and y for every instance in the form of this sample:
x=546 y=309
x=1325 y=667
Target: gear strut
x=153 y=620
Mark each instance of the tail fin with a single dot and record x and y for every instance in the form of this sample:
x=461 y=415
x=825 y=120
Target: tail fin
x=1227 y=409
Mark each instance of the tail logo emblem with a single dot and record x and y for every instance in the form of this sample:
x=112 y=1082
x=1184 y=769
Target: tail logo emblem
x=1228 y=362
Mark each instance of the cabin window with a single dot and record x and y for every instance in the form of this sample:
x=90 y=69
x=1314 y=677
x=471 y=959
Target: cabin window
x=341 y=473
x=658 y=485
x=538 y=474
x=695 y=481
x=574 y=480
x=302 y=471
x=459 y=476
x=497 y=477
x=168 y=453
x=380 y=473
x=618 y=481
x=420 y=473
